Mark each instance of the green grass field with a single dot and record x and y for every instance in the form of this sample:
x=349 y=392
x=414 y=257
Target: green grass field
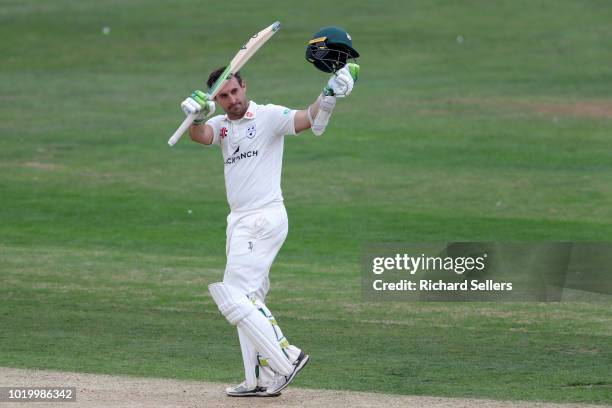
x=472 y=120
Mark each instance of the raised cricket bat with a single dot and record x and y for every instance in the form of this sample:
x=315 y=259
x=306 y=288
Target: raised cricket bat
x=244 y=54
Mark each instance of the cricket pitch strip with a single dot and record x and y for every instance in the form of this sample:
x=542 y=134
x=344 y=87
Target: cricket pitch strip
x=94 y=390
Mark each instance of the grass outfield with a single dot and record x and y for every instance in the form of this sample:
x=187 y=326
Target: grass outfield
x=471 y=121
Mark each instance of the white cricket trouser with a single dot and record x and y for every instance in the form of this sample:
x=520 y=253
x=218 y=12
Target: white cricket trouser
x=253 y=240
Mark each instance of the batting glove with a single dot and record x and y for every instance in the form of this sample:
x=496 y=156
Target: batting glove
x=200 y=103
x=341 y=83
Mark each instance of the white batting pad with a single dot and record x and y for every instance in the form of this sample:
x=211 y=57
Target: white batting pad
x=232 y=303
x=262 y=335
x=249 y=358
x=292 y=352
x=238 y=310
x=266 y=376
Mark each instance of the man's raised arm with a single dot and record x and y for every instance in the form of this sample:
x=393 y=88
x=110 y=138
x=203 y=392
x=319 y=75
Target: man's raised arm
x=317 y=115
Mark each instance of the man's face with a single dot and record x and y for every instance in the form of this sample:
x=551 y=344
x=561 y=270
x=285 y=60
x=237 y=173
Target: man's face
x=232 y=98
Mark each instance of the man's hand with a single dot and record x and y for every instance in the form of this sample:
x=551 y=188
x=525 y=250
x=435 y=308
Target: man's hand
x=200 y=103
x=341 y=83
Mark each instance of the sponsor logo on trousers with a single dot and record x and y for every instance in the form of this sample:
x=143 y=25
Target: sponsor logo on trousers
x=234 y=159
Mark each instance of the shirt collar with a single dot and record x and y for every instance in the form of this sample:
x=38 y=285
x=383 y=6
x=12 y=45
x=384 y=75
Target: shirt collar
x=249 y=114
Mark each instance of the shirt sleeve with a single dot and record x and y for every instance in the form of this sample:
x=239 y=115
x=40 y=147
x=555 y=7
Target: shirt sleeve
x=283 y=119
x=214 y=124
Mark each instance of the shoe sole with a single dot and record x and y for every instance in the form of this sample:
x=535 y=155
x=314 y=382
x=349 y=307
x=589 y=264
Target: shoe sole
x=295 y=372
x=253 y=394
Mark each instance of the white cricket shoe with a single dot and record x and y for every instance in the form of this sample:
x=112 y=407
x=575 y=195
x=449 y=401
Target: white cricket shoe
x=281 y=381
x=241 y=390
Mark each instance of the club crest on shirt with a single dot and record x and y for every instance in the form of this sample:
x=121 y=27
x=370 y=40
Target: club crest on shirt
x=250 y=132
x=223 y=132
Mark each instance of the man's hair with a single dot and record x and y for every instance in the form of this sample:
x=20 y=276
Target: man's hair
x=212 y=78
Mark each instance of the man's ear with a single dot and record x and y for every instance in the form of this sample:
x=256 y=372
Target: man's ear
x=244 y=85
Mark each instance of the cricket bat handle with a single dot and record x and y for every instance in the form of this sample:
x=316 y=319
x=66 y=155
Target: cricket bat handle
x=181 y=129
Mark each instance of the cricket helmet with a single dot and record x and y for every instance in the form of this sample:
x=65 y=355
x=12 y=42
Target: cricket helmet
x=329 y=49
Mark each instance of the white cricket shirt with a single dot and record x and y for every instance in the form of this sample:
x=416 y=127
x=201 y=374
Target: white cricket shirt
x=253 y=154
